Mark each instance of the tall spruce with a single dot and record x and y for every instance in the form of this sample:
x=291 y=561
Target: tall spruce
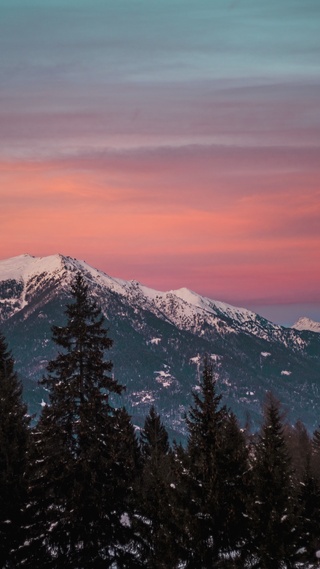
x=80 y=490
x=315 y=454
x=156 y=498
x=235 y=489
x=14 y=434
x=308 y=498
x=274 y=537
x=213 y=520
x=299 y=446
x=154 y=438
x=308 y=495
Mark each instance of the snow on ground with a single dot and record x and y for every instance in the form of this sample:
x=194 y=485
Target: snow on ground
x=22 y=267
x=213 y=306
x=155 y=341
x=183 y=307
x=305 y=323
x=164 y=377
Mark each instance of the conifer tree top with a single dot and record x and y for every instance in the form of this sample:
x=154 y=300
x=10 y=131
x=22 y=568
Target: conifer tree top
x=154 y=436
x=80 y=376
x=206 y=415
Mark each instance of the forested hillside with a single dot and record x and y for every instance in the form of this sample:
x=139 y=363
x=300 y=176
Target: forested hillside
x=159 y=340
x=83 y=488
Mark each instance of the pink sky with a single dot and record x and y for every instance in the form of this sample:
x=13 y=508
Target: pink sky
x=247 y=235
x=174 y=148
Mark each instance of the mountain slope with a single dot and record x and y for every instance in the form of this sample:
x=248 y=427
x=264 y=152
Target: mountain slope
x=159 y=338
x=305 y=323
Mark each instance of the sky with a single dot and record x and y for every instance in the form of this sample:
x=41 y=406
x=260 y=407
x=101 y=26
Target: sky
x=174 y=142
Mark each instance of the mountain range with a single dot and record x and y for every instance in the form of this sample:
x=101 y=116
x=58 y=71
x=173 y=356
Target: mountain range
x=159 y=341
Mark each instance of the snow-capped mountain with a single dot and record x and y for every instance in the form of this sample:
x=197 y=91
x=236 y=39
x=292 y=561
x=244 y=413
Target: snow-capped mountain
x=305 y=323
x=159 y=338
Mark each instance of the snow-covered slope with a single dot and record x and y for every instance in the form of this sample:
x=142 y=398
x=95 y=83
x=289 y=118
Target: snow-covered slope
x=159 y=339
x=305 y=323
x=180 y=306
x=24 y=276
x=183 y=308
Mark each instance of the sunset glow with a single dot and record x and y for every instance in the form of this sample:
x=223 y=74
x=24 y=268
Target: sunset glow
x=173 y=143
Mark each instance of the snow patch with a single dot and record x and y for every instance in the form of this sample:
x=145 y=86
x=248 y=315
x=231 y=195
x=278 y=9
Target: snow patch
x=142 y=397
x=305 y=323
x=164 y=378
x=213 y=306
x=147 y=398
x=125 y=520
x=155 y=341
x=23 y=267
x=214 y=357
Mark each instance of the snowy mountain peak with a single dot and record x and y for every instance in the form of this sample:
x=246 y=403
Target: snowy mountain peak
x=23 y=278
x=22 y=267
x=159 y=337
x=213 y=306
x=188 y=296
x=305 y=323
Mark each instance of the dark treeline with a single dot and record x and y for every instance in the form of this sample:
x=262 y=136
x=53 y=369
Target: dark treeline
x=82 y=490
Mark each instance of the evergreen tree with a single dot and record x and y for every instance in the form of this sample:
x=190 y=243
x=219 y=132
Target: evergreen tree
x=300 y=449
x=14 y=435
x=273 y=514
x=235 y=491
x=80 y=484
x=154 y=438
x=216 y=458
x=315 y=454
x=156 y=496
x=126 y=468
x=308 y=499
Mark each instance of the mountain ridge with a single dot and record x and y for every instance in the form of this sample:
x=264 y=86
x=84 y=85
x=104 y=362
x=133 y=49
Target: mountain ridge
x=305 y=323
x=159 y=339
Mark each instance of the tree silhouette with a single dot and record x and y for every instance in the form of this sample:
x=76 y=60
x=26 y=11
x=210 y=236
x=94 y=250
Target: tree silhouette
x=14 y=434
x=80 y=489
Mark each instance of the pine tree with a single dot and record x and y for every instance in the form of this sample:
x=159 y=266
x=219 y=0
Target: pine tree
x=308 y=500
x=156 y=496
x=14 y=434
x=205 y=422
x=235 y=490
x=126 y=465
x=273 y=513
x=300 y=448
x=315 y=454
x=154 y=438
x=79 y=488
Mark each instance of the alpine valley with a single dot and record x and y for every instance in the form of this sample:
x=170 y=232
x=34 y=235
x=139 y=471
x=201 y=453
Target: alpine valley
x=159 y=339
